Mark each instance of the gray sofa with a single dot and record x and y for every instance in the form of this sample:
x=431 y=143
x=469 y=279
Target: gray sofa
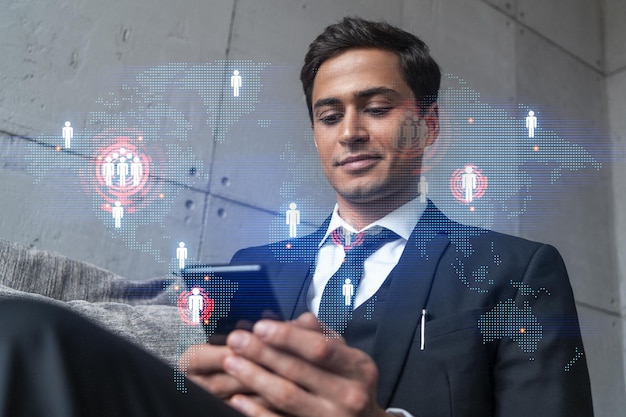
x=142 y=312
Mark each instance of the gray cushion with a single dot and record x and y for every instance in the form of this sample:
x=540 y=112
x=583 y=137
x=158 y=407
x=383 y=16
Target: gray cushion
x=141 y=312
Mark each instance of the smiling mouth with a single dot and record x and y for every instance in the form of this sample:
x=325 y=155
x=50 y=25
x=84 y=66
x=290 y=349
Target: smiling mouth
x=358 y=162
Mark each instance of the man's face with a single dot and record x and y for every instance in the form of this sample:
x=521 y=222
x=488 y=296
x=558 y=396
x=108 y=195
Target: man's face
x=361 y=104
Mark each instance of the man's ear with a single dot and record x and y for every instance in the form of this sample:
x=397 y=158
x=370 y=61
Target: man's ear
x=431 y=117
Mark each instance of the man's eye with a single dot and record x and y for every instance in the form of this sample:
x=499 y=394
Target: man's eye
x=378 y=111
x=330 y=119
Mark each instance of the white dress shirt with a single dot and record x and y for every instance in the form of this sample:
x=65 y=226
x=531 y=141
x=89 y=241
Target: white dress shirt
x=377 y=267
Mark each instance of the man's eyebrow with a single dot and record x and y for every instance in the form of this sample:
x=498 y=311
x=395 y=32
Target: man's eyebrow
x=374 y=91
x=326 y=102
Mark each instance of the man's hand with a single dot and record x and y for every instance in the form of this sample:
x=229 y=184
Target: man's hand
x=298 y=372
x=202 y=364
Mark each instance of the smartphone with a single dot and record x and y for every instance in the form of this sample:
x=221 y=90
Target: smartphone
x=233 y=297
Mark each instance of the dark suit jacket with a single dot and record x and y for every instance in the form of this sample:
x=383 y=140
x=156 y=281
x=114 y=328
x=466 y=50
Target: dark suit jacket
x=501 y=337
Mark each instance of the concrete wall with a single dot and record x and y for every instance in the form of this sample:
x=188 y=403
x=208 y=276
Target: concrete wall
x=63 y=60
x=615 y=75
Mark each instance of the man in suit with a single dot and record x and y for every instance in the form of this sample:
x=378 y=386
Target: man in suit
x=446 y=320
x=443 y=319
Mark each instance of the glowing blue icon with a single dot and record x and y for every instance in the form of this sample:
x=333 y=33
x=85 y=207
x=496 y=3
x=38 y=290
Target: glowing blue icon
x=347 y=290
x=235 y=83
x=531 y=123
x=196 y=304
x=68 y=134
x=292 y=218
x=422 y=188
x=117 y=212
x=468 y=183
x=181 y=255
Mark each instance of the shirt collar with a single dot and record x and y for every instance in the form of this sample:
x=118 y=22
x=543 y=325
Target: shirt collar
x=401 y=221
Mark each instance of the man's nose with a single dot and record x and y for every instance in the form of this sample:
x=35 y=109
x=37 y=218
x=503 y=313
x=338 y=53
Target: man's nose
x=353 y=128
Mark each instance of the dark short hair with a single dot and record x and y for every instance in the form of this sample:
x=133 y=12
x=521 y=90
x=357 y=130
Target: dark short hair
x=420 y=70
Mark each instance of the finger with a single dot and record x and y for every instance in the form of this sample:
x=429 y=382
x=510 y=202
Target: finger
x=281 y=393
x=298 y=370
x=221 y=385
x=308 y=321
x=259 y=400
x=250 y=407
x=202 y=364
x=261 y=403
x=203 y=359
x=332 y=393
x=313 y=346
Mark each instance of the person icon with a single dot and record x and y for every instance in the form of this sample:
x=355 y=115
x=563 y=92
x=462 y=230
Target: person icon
x=117 y=212
x=347 y=237
x=181 y=255
x=68 y=133
x=122 y=171
x=108 y=170
x=531 y=123
x=408 y=132
x=235 y=83
x=468 y=183
x=196 y=304
x=422 y=188
x=347 y=290
x=136 y=170
x=413 y=132
x=292 y=218
x=422 y=133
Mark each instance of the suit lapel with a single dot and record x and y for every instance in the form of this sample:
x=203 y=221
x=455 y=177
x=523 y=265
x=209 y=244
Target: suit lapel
x=293 y=279
x=410 y=285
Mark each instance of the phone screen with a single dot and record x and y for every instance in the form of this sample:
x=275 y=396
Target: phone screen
x=233 y=297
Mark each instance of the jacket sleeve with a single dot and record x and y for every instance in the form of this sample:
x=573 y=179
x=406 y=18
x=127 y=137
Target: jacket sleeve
x=541 y=368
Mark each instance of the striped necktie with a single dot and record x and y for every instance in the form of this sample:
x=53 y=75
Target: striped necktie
x=339 y=294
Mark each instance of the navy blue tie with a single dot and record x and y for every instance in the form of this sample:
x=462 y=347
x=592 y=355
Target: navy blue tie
x=338 y=297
